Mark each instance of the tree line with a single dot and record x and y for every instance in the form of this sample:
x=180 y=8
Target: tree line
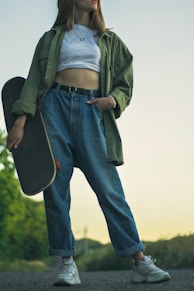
x=23 y=233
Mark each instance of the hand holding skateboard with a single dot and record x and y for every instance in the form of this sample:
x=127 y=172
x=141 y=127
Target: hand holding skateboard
x=33 y=157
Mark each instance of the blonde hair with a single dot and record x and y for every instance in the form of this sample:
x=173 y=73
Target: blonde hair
x=66 y=16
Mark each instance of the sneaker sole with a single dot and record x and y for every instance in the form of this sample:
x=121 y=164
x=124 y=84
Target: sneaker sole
x=61 y=282
x=151 y=279
x=166 y=277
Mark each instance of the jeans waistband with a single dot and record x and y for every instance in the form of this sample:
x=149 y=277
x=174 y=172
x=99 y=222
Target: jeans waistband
x=82 y=91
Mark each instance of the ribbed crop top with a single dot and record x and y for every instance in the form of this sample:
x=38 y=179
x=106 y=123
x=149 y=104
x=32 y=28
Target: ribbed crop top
x=80 y=49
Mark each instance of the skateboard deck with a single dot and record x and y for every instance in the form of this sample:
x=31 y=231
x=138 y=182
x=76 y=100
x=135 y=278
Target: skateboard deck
x=33 y=158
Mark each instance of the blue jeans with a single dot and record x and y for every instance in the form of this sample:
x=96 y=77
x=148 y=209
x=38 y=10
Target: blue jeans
x=76 y=134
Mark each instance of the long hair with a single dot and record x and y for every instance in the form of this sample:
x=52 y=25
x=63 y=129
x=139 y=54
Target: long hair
x=66 y=16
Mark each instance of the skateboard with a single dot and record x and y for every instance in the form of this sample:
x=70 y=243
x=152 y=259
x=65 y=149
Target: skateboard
x=33 y=158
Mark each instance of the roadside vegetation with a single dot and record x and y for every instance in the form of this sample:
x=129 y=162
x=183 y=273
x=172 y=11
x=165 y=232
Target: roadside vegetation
x=23 y=234
x=175 y=253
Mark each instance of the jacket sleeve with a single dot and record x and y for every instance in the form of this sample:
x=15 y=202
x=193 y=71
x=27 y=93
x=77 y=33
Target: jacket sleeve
x=27 y=103
x=122 y=80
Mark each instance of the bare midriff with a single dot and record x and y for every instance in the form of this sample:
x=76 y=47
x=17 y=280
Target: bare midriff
x=80 y=78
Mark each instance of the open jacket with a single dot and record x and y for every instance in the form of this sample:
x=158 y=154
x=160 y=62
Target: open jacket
x=116 y=79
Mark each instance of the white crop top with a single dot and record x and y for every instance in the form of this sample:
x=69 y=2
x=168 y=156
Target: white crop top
x=80 y=49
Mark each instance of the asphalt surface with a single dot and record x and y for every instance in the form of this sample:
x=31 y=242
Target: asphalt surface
x=181 y=280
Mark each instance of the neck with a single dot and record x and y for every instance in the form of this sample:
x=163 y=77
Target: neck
x=82 y=19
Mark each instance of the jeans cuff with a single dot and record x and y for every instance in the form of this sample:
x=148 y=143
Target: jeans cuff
x=61 y=253
x=131 y=251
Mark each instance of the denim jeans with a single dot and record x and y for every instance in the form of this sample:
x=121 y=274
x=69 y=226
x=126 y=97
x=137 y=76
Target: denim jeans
x=77 y=138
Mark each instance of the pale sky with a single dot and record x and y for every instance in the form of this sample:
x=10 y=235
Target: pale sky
x=157 y=128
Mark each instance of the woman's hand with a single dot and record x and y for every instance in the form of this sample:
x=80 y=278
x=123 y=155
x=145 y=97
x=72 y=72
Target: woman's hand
x=103 y=103
x=16 y=134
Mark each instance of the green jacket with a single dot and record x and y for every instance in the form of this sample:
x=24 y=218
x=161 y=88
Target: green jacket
x=116 y=80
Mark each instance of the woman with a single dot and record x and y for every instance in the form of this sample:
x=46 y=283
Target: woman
x=82 y=77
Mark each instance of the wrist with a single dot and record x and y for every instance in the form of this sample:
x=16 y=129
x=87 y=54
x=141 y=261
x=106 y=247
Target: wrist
x=114 y=104
x=21 y=120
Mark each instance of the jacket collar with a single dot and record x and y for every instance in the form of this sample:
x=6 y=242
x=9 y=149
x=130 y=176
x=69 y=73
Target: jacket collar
x=60 y=29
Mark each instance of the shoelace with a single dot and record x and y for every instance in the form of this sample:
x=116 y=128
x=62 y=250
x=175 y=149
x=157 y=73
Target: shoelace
x=68 y=268
x=153 y=267
x=152 y=259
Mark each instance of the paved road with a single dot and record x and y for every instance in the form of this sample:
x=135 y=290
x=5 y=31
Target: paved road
x=181 y=280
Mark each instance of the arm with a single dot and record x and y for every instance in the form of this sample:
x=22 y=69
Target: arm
x=122 y=79
x=26 y=105
x=122 y=83
x=16 y=133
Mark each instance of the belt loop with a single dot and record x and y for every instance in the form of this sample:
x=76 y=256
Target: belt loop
x=91 y=93
x=58 y=86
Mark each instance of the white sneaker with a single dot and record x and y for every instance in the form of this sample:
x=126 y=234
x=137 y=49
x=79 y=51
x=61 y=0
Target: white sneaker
x=68 y=275
x=147 y=271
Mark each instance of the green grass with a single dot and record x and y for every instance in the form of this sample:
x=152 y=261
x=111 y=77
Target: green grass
x=16 y=265
x=177 y=252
